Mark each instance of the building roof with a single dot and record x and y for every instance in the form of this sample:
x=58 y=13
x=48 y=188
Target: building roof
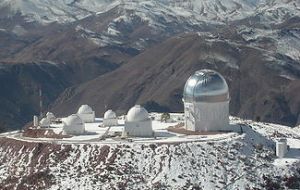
x=206 y=86
x=74 y=120
x=137 y=113
x=109 y=114
x=45 y=122
x=50 y=115
x=85 y=109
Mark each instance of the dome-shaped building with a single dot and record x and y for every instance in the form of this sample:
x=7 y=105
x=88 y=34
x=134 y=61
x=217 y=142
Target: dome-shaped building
x=110 y=118
x=45 y=122
x=73 y=125
x=86 y=113
x=51 y=116
x=206 y=102
x=137 y=113
x=138 y=123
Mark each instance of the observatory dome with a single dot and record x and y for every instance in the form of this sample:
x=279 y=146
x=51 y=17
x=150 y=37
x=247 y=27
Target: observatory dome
x=206 y=86
x=138 y=123
x=109 y=114
x=110 y=118
x=74 y=119
x=45 y=122
x=50 y=116
x=74 y=125
x=85 y=109
x=137 y=113
x=86 y=113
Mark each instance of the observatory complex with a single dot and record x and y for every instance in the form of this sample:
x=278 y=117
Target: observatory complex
x=206 y=109
x=206 y=117
x=201 y=139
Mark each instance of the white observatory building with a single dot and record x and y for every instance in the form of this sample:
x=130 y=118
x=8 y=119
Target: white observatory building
x=51 y=117
x=45 y=123
x=138 y=122
x=73 y=125
x=110 y=118
x=206 y=102
x=86 y=113
x=281 y=147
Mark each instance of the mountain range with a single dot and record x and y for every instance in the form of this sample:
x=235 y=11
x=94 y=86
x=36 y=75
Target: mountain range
x=119 y=53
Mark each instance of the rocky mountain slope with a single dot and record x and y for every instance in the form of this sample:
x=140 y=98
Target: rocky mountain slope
x=243 y=161
x=261 y=78
x=20 y=83
x=107 y=34
x=168 y=10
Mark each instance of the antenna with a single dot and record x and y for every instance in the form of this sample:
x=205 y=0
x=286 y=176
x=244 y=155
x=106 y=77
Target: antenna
x=105 y=105
x=41 y=101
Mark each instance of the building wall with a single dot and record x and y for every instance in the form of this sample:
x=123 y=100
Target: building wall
x=281 y=148
x=87 y=118
x=139 y=129
x=110 y=122
x=189 y=116
x=203 y=116
x=73 y=130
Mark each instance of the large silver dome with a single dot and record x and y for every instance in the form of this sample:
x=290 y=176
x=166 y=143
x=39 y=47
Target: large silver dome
x=206 y=86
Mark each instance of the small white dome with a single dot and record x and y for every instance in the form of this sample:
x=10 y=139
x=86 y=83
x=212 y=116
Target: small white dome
x=85 y=109
x=137 y=113
x=45 y=122
x=73 y=125
x=50 y=116
x=109 y=114
x=73 y=119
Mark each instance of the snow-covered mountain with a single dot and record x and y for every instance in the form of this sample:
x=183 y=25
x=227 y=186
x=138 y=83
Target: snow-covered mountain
x=107 y=34
x=234 y=161
x=194 y=11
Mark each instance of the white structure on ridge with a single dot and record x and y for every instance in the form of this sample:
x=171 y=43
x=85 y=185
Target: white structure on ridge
x=206 y=102
x=35 y=121
x=110 y=118
x=138 y=123
x=45 y=123
x=281 y=147
x=73 y=125
x=51 y=117
x=86 y=113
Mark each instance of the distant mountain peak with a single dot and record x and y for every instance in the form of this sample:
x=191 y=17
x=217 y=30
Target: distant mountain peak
x=195 y=10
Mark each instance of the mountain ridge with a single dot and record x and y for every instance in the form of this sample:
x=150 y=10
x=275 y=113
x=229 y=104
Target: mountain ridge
x=241 y=160
x=122 y=31
x=159 y=73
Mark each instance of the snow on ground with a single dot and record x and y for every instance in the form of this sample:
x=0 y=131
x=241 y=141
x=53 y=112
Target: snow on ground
x=95 y=131
x=274 y=131
x=232 y=160
x=193 y=11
